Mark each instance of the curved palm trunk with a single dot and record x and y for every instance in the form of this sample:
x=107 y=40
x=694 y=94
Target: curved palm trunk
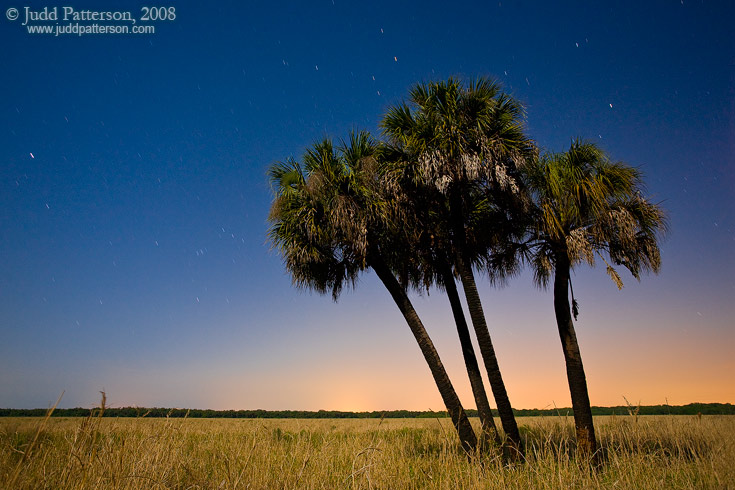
x=505 y=411
x=467 y=435
x=489 y=431
x=575 y=371
x=467 y=277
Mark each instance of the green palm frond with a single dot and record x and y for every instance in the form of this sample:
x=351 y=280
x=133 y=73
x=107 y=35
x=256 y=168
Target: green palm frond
x=329 y=212
x=585 y=204
x=463 y=139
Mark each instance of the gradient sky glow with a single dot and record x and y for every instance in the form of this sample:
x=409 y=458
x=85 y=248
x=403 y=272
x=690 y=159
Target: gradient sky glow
x=133 y=202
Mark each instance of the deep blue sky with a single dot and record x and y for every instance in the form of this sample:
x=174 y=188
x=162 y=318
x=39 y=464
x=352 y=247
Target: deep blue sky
x=134 y=198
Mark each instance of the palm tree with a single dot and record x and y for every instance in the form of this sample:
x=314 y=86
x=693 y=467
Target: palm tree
x=330 y=222
x=466 y=145
x=586 y=205
x=420 y=219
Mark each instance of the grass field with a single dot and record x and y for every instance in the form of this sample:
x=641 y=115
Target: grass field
x=100 y=453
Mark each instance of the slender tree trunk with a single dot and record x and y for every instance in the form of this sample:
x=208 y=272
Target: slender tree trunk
x=586 y=441
x=489 y=431
x=467 y=435
x=505 y=411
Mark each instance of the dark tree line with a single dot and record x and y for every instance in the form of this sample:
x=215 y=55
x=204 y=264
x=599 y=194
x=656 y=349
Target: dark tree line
x=136 y=412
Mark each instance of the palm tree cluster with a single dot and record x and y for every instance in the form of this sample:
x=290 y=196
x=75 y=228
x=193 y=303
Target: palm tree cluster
x=457 y=188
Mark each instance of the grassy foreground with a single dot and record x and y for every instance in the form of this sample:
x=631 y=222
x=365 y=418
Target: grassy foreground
x=640 y=452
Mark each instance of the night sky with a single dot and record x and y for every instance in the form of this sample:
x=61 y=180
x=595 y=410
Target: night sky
x=134 y=198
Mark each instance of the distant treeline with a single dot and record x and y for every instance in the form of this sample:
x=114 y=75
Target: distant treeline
x=691 y=409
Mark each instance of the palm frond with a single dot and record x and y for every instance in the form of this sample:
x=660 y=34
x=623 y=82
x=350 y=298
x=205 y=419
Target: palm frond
x=585 y=203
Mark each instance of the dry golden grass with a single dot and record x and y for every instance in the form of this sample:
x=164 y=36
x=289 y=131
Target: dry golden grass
x=640 y=452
